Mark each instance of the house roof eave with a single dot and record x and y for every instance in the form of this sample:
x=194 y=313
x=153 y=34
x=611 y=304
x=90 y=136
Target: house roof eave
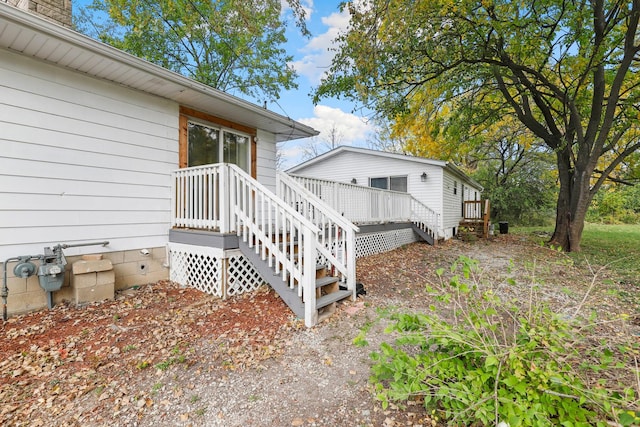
x=405 y=157
x=32 y=36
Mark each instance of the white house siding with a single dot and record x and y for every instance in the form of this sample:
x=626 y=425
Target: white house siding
x=266 y=160
x=452 y=203
x=81 y=160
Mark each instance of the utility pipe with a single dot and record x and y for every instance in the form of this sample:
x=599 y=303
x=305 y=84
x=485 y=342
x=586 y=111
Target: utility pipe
x=5 y=287
x=4 y=293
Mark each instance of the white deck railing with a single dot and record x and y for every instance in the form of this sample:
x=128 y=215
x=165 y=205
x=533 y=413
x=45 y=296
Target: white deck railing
x=336 y=236
x=196 y=201
x=425 y=218
x=223 y=197
x=364 y=205
x=360 y=204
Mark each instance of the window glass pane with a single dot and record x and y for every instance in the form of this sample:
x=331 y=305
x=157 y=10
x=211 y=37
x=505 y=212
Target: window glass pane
x=398 y=183
x=203 y=145
x=379 y=183
x=236 y=150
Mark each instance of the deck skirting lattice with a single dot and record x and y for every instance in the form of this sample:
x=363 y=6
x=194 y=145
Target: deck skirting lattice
x=212 y=270
x=383 y=241
x=241 y=275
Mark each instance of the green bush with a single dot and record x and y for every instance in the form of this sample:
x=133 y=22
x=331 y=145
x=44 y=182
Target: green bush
x=492 y=361
x=615 y=205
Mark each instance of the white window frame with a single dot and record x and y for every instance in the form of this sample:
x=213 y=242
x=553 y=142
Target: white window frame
x=388 y=182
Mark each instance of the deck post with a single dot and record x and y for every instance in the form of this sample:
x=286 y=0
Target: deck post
x=309 y=276
x=224 y=191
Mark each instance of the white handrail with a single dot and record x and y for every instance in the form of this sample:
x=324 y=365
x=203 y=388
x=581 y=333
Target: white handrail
x=336 y=237
x=371 y=205
x=196 y=198
x=279 y=234
x=425 y=218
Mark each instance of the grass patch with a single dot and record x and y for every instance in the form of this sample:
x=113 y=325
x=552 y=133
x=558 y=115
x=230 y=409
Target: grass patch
x=617 y=246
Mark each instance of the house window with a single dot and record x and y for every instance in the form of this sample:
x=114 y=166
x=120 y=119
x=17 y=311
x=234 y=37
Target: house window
x=379 y=183
x=455 y=187
x=205 y=147
x=398 y=183
x=394 y=183
x=206 y=139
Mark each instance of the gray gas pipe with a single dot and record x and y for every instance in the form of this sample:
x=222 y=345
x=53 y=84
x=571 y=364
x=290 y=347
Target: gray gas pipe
x=50 y=271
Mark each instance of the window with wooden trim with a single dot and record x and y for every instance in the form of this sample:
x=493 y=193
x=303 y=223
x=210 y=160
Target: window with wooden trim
x=205 y=139
x=210 y=144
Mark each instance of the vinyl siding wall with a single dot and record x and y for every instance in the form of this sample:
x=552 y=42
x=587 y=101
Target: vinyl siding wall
x=266 y=160
x=452 y=202
x=81 y=160
x=345 y=166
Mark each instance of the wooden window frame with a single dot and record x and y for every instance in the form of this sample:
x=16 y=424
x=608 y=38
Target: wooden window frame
x=183 y=144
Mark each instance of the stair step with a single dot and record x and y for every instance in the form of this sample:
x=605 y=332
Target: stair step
x=324 y=281
x=325 y=300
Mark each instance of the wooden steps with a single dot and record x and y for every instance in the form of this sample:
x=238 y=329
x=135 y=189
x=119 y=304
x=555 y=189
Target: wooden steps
x=328 y=291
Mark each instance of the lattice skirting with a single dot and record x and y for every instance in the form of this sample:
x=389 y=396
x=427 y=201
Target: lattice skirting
x=212 y=270
x=384 y=241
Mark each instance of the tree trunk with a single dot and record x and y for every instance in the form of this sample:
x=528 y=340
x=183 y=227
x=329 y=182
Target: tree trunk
x=574 y=198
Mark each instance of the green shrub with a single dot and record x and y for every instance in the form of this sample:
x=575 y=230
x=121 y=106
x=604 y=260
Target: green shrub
x=492 y=361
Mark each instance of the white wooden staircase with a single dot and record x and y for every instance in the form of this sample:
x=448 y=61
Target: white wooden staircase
x=303 y=249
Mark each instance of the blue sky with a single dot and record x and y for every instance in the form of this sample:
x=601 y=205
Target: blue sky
x=312 y=57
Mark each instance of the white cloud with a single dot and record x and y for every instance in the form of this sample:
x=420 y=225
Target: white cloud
x=317 y=53
x=351 y=128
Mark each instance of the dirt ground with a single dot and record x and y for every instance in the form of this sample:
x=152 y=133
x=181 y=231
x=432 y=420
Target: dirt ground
x=161 y=355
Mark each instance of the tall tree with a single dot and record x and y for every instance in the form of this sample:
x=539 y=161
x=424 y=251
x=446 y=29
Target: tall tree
x=232 y=45
x=568 y=70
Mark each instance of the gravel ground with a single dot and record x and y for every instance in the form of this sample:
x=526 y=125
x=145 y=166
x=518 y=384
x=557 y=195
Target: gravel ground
x=164 y=356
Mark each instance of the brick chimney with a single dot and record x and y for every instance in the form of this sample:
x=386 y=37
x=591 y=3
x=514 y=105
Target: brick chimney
x=58 y=11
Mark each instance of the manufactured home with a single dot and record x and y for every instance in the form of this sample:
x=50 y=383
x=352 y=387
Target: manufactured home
x=439 y=185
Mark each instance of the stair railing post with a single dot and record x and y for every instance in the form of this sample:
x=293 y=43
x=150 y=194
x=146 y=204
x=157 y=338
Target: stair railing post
x=225 y=196
x=309 y=268
x=351 y=261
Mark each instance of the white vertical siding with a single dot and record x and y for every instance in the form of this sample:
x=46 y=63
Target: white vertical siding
x=81 y=160
x=266 y=161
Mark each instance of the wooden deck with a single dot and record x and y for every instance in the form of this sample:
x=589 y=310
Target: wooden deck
x=477 y=216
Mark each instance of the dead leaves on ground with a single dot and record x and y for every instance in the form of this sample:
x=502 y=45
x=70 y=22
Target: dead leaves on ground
x=54 y=359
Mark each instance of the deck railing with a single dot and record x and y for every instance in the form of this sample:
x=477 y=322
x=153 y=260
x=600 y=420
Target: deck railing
x=336 y=236
x=360 y=204
x=225 y=198
x=364 y=205
x=197 y=202
x=478 y=211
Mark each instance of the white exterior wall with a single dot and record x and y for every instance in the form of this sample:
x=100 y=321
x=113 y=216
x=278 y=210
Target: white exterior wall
x=81 y=160
x=266 y=160
x=452 y=204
